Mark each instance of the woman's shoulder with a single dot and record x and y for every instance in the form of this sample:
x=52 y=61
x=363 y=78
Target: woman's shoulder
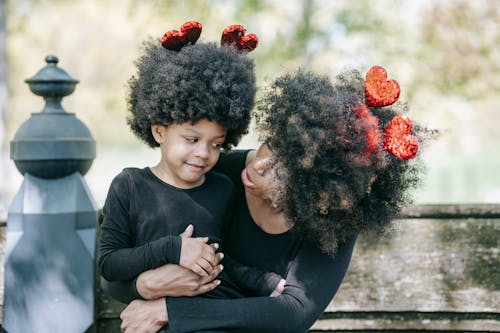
x=232 y=163
x=232 y=157
x=219 y=180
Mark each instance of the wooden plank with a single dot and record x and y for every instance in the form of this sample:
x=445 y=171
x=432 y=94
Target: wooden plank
x=426 y=265
x=405 y=325
x=441 y=211
x=446 y=271
x=410 y=320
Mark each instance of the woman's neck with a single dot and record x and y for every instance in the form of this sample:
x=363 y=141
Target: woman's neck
x=270 y=219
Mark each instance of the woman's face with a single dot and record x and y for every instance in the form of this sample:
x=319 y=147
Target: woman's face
x=259 y=177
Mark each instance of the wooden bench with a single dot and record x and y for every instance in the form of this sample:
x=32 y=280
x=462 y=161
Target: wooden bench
x=437 y=271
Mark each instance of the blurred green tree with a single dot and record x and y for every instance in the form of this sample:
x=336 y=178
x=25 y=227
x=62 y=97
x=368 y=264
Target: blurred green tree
x=444 y=54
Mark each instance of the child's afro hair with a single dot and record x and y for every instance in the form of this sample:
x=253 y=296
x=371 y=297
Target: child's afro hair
x=201 y=81
x=332 y=187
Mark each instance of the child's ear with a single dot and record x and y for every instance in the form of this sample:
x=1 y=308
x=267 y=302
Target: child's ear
x=158 y=132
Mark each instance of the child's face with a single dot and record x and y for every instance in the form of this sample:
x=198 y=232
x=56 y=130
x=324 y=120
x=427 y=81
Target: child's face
x=188 y=151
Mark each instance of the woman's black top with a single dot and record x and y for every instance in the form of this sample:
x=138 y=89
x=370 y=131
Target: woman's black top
x=312 y=277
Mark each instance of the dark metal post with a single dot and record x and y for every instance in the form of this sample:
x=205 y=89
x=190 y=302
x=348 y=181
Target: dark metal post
x=51 y=223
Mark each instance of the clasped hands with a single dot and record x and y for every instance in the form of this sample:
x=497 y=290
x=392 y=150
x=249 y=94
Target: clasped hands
x=150 y=314
x=197 y=255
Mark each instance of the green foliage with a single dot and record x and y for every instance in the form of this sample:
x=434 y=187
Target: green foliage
x=462 y=46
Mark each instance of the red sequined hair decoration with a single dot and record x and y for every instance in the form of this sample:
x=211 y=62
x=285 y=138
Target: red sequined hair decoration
x=397 y=137
x=372 y=131
x=235 y=35
x=188 y=34
x=378 y=90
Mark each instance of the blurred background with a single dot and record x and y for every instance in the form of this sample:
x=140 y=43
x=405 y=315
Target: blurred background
x=444 y=54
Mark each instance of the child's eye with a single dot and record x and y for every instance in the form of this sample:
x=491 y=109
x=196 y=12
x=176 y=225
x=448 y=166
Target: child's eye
x=217 y=145
x=191 y=140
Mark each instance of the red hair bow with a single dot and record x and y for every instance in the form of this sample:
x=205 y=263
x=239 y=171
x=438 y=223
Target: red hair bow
x=189 y=34
x=235 y=35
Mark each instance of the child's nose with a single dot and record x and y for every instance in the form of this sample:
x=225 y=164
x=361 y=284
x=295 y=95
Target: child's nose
x=202 y=151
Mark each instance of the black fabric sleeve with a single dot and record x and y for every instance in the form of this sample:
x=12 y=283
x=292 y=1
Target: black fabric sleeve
x=122 y=291
x=255 y=281
x=118 y=259
x=122 y=264
x=312 y=282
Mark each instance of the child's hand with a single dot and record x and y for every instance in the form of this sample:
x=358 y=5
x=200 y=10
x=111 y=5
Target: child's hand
x=279 y=288
x=196 y=254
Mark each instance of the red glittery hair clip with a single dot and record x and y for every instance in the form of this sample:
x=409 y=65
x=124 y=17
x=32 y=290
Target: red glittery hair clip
x=188 y=34
x=397 y=137
x=235 y=35
x=372 y=132
x=378 y=90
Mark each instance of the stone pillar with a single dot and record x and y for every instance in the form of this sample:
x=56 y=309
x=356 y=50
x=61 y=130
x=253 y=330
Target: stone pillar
x=51 y=223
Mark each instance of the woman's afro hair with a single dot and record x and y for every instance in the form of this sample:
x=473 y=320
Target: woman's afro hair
x=201 y=81
x=332 y=186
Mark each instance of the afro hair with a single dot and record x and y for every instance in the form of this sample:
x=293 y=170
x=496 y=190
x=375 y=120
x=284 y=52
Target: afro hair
x=333 y=185
x=201 y=81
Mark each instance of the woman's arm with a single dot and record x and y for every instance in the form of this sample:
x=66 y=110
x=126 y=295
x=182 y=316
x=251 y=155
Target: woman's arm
x=146 y=317
x=255 y=281
x=312 y=282
x=167 y=280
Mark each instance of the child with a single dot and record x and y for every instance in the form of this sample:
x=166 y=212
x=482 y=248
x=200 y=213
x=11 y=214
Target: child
x=191 y=101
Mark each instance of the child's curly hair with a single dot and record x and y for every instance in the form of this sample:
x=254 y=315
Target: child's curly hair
x=199 y=81
x=333 y=186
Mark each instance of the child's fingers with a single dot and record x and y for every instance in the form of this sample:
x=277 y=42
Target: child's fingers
x=206 y=251
x=206 y=279
x=211 y=258
x=202 y=268
x=202 y=239
x=198 y=270
x=217 y=270
x=188 y=232
x=218 y=257
x=206 y=265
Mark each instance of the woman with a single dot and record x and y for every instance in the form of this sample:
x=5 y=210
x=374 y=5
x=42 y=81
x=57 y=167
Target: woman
x=327 y=172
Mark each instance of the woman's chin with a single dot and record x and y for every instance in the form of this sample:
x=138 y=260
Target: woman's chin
x=246 y=180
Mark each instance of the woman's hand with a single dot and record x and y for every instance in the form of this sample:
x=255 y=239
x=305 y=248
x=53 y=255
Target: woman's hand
x=144 y=316
x=174 y=280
